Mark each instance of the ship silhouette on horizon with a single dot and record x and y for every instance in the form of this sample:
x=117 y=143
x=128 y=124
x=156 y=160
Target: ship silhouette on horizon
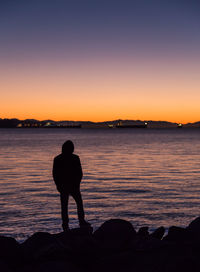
x=137 y=125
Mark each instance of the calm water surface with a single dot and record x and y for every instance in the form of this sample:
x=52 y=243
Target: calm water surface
x=149 y=177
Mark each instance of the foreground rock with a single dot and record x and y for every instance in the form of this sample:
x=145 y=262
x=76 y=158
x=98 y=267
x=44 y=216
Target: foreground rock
x=115 y=234
x=115 y=246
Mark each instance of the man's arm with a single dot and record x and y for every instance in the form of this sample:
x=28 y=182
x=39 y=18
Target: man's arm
x=55 y=174
x=54 y=170
x=77 y=171
x=80 y=169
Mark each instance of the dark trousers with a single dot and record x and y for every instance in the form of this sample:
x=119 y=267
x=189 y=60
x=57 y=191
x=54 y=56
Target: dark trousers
x=64 y=198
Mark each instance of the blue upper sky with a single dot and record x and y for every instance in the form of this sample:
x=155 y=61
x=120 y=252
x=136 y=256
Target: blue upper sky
x=41 y=26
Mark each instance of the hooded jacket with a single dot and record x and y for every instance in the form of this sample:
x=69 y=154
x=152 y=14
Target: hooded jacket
x=67 y=172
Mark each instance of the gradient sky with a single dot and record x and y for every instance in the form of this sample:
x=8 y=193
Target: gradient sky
x=100 y=60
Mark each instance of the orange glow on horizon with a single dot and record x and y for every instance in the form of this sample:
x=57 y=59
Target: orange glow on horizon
x=102 y=117
x=135 y=90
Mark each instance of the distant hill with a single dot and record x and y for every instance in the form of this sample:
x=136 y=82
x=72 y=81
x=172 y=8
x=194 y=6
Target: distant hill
x=13 y=123
x=194 y=125
x=9 y=123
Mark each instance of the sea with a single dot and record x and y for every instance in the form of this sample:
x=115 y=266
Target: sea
x=150 y=177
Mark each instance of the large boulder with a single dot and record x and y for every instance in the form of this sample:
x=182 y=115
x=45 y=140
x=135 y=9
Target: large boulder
x=43 y=246
x=77 y=239
x=40 y=245
x=189 y=235
x=115 y=234
x=177 y=235
x=78 y=245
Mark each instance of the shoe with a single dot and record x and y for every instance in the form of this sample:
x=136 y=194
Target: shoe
x=65 y=227
x=84 y=223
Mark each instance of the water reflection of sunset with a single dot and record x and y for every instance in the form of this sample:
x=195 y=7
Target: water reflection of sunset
x=148 y=177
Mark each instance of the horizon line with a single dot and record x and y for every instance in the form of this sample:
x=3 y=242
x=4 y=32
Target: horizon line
x=118 y=119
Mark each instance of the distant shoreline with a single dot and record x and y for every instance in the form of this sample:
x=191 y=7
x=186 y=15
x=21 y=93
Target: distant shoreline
x=115 y=124
x=101 y=128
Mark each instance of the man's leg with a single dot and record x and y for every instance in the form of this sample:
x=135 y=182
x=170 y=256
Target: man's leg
x=79 y=202
x=64 y=197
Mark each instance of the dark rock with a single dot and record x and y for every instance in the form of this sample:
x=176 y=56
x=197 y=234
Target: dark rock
x=115 y=246
x=9 y=248
x=194 y=232
x=38 y=245
x=176 y=234
x=143 y=231
x=181 y=261
x=57 y=266
x=4 y=267
x=158 y=233
x=76 y=243
x=146 y=243
x=77 y=239
x=37 y=240
x=64 y=236
x=83 y=231
x=115 y=234
x=194 y=226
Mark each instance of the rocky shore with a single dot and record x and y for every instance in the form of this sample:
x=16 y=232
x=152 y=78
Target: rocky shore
x=115 y=246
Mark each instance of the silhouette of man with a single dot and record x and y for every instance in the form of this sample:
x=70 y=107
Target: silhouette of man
x=67 y=174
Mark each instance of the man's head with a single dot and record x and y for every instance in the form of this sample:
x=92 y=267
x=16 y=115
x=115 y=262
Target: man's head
x=68 y=147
